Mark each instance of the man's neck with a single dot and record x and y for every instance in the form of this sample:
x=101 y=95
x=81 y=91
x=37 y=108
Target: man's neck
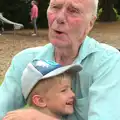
x=66 y=56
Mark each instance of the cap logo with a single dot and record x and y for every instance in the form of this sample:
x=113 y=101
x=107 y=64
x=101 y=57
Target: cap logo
x=42 y=64
x=45 y=66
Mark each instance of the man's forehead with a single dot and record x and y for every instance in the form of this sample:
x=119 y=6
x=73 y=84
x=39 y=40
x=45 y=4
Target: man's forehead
x=72 y=1
x=77 y=2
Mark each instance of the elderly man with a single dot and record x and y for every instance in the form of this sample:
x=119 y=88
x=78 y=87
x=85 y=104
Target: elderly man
x=96 y=86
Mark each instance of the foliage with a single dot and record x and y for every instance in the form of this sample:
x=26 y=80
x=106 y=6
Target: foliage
x=99 y=13
x=108 y=13
x=101 y=10
x=117 y=15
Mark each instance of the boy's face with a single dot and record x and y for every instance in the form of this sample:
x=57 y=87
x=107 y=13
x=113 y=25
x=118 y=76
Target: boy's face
x=60 y=98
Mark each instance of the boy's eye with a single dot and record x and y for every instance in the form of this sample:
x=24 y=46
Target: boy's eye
x=63 y=90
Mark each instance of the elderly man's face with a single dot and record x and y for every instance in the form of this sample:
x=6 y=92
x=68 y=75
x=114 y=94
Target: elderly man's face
x=69 y=21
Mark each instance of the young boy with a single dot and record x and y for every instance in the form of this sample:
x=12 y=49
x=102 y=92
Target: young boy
x=46 y=86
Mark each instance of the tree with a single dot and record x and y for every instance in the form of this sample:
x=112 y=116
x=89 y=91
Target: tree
x=108 y=13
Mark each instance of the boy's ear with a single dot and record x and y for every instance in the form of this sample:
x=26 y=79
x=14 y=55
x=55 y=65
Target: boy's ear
x=39 y=101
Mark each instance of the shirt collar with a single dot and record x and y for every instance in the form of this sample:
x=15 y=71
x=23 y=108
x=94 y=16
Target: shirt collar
x=88 y=47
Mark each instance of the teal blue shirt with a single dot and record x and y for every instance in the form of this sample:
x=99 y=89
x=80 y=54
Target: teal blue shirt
x=96 y=87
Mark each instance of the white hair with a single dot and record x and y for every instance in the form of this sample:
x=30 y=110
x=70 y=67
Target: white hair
x=95 y=6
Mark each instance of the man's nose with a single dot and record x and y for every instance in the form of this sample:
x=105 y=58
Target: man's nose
x=61 y=17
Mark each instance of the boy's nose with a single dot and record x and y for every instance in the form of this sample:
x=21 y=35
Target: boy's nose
x=72 y=94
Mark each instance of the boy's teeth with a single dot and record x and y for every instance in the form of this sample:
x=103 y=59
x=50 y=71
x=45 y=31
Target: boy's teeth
x=70 y=103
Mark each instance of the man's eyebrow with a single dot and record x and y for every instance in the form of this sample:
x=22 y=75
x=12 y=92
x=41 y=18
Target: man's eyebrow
x=74 y=7
x=55 y=3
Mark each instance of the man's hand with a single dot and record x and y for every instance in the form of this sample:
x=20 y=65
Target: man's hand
x=27 y=114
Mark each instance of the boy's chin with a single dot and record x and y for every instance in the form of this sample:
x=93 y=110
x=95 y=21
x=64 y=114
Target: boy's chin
x=70 y=111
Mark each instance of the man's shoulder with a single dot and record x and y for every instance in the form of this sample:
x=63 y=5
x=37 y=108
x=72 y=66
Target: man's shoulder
x=31 y=53
x=99 y=47
x=105 y=49
x=100 y=52
x=102 y=58
x=97 y=50
x=106 y=54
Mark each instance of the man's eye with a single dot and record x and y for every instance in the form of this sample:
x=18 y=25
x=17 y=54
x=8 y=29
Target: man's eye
x=72 y=10
x=56 y=7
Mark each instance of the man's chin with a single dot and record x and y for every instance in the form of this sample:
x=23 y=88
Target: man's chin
x=59 y=44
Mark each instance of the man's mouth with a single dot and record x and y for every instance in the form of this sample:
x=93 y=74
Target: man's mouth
x=58 y=32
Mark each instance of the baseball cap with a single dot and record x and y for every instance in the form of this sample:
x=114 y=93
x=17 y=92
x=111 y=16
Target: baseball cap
x=41 y=69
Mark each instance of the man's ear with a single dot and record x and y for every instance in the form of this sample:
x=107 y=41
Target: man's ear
x=39 y=101
x=91 y=24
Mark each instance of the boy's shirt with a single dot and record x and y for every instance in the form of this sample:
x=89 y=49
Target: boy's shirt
x=94 y=86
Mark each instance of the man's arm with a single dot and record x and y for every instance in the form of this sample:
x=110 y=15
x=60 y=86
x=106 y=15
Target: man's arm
x=10 y=91
x=104 y=96
x=11 y=97
x=27 y=114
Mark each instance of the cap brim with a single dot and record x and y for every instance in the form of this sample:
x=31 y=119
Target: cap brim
x=58 y=71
